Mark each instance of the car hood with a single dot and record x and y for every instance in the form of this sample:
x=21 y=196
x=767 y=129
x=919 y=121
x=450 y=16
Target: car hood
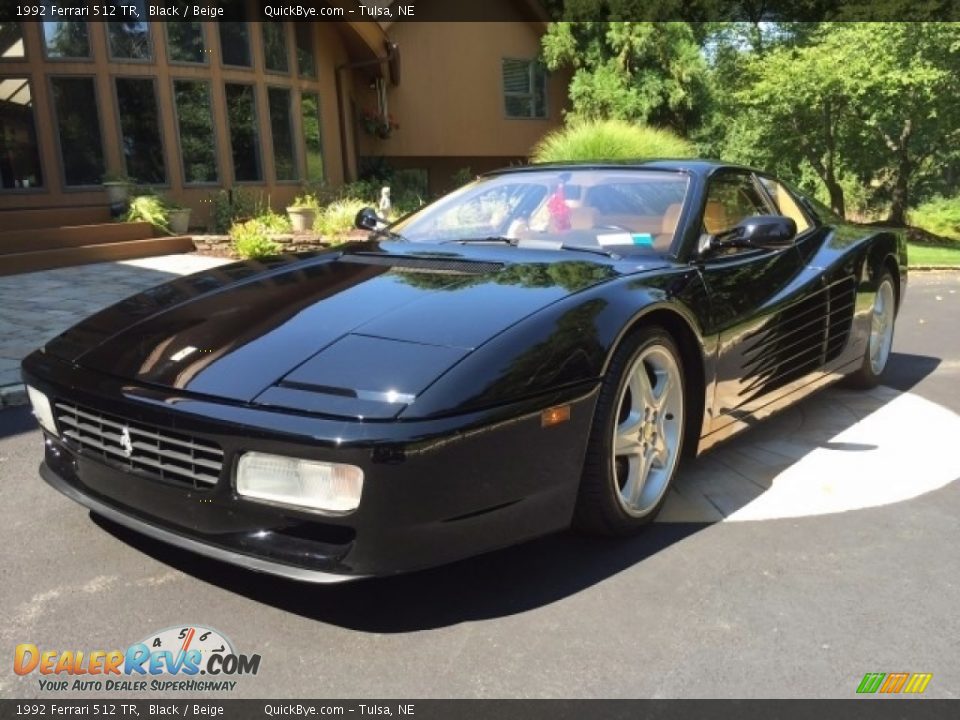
x=359 y=333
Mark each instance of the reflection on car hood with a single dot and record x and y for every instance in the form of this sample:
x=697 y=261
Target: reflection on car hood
x=361 y=328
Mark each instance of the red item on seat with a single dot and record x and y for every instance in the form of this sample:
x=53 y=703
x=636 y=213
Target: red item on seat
x=559 y=212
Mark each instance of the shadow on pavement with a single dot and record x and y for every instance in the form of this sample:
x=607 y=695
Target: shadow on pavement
x=542 y=571
x=16 y=421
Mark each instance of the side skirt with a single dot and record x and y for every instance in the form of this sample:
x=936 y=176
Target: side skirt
x=749 y=420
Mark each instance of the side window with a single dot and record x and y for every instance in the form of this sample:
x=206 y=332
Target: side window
x=731 y=197
x=786 y=203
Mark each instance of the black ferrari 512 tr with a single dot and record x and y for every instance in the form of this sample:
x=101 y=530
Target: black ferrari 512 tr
x=536 y=349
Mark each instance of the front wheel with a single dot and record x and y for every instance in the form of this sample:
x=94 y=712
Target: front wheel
x=882 y=320
x=637 y=436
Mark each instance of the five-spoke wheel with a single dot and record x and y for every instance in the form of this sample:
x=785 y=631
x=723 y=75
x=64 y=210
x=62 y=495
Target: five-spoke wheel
x=637 y=435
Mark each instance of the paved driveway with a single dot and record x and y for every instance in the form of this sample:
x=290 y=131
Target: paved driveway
x=799 y=557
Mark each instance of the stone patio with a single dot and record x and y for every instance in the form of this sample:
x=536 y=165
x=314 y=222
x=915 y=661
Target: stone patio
x=35 y=307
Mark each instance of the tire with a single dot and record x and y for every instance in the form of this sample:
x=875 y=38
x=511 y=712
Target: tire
x=882 y=320
x=637 y=436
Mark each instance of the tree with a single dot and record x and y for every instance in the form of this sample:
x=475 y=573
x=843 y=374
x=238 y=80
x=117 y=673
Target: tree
x=900 y=82
x=649 y=72
x=874 y=101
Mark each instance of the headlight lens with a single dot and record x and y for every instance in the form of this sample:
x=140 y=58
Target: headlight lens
x=42 y=410
x=332 y=487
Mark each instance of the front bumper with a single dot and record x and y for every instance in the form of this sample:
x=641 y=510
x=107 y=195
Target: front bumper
x=434 y=491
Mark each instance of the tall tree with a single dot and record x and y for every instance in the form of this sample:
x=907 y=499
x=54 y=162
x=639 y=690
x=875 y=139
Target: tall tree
x=650 y=72
x=874 y=101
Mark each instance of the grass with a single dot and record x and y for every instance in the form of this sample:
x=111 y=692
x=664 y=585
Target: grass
x=927 y=255
x=940 y=216
x=610 y=140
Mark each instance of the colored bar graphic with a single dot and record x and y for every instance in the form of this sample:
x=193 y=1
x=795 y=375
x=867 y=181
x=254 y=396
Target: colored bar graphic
x=918 y=682
x=871 y=683
x=892 y=683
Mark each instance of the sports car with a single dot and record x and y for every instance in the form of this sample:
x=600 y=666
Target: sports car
x=537 y=350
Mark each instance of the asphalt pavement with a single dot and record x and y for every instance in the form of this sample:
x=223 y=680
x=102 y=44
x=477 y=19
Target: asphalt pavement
x=798 y=606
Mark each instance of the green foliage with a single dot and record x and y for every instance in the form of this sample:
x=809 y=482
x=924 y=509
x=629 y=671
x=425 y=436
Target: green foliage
x=610 y=140
x=305 y=201
x=250 y=240
x=461 y=177
x=940 y=216
x=149 y=208
x=336 y=219
x=274 y=222
x=647 y=72
x=865 y=105
x=232 y=206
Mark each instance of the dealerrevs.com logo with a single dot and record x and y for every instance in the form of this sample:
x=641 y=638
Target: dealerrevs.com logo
x=190 y=658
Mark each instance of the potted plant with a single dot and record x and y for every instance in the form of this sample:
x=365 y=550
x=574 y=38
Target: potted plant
x=378 y=124
x=117 y=187
x=178 y=218
x=302 y=213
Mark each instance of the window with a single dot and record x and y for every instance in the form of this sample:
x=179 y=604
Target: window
x=312 y=137
x=786 y=203
x=281 y=133
x=234 y=43
x=275 y=46
x=11 y=41
x=304 y=37
x=129 y=40
x=524 y=89
x=140 y=130
x=731 y=197
x=19 y=157
x=195 y=123
x=78 y=123
x=66 y=39
x=244 y=143
x=185 y=42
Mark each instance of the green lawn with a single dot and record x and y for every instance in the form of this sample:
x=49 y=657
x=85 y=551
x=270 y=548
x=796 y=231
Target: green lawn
x=939 y=256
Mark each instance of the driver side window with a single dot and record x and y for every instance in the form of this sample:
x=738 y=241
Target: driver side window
x=731 y=198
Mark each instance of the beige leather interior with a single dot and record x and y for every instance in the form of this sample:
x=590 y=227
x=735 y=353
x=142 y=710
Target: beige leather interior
x=582 y=218
x=788 y=206
x=715 y=218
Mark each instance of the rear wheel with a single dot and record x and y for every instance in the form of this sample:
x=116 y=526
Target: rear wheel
x=637 y=436
x=882 y=320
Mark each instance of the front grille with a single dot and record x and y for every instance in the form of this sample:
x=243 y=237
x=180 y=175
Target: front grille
x=138 y=447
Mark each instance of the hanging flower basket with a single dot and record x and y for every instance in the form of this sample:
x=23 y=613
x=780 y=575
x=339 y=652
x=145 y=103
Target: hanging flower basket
x=378 y=125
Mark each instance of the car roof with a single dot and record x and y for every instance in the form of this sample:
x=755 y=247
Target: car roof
x=693 y=166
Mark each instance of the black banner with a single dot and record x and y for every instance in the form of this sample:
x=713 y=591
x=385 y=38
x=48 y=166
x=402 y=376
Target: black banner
x=857 y=709
x=478 y=10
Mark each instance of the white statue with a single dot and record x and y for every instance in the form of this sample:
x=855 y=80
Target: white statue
x=385 y=206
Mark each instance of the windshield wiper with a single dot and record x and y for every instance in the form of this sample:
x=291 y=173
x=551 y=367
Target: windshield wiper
x=387 y=232
x=594 y=250
x=489 y=239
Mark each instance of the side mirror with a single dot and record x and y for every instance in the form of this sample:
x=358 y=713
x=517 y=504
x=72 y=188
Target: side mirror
x=367 y=219
x=764 y=231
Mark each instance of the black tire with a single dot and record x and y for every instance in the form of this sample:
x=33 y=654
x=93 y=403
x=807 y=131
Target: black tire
x=600 y=509
x=869 y=374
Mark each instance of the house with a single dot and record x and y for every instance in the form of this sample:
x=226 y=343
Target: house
x=192 y=108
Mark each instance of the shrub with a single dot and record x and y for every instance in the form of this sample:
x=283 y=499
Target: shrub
x=610 y=140
x=230 y=207
x=940 y=216
x=273 y=222
x=250 y=240
x=336 y=219
x=149 y=208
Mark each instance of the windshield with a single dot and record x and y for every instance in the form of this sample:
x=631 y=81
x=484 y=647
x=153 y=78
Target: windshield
x=629 y=211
